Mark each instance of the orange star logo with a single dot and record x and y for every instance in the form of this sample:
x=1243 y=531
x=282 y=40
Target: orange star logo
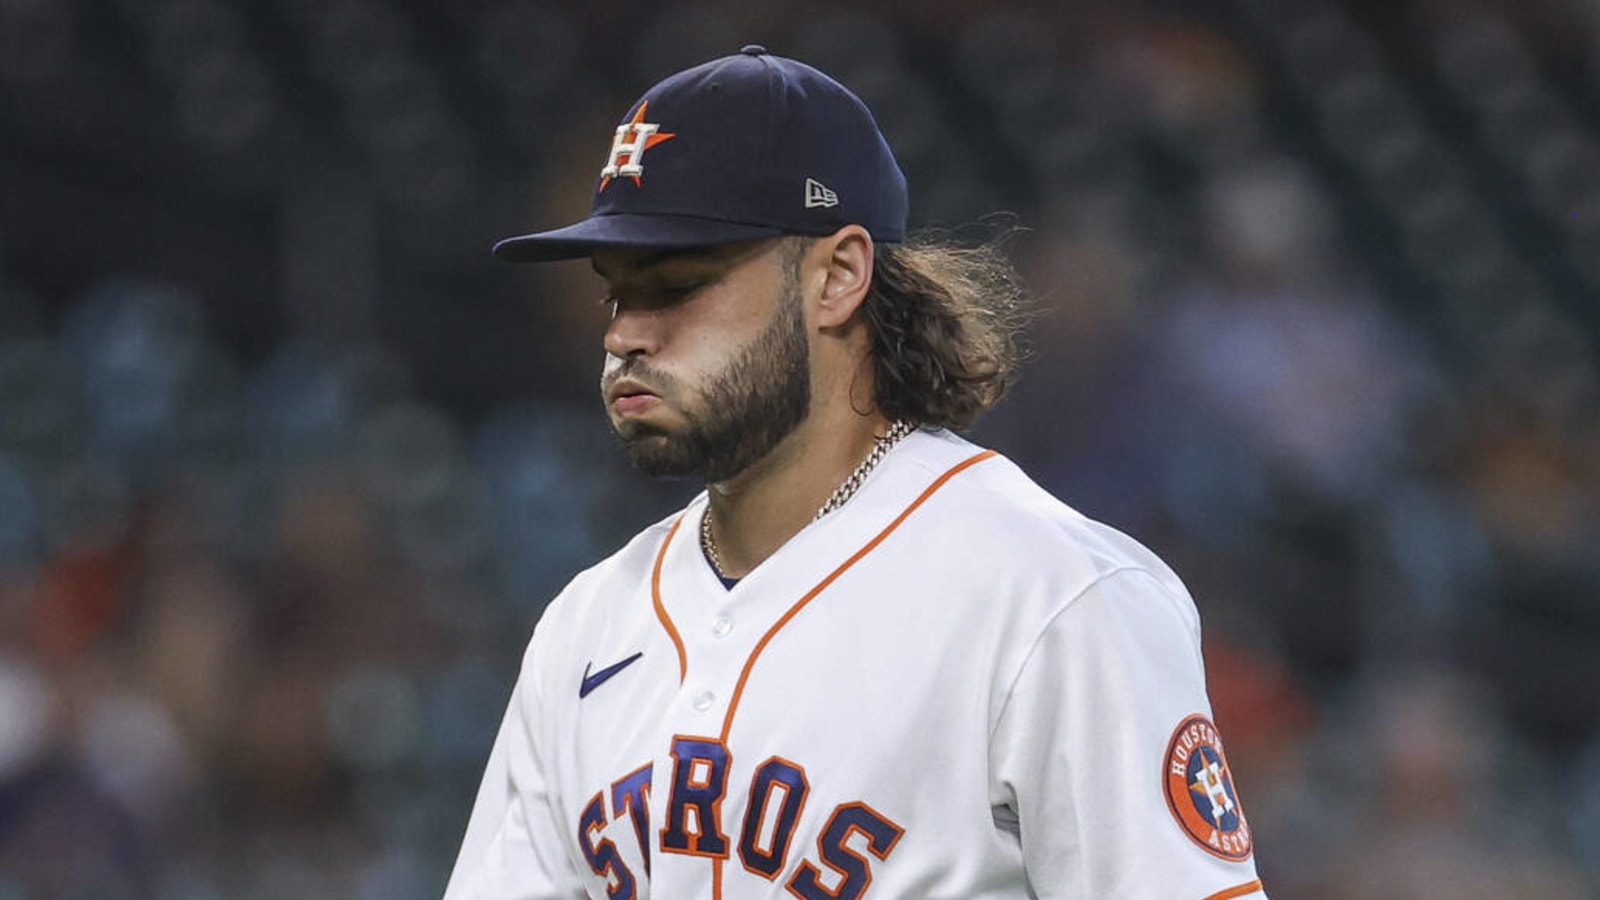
x=632 y=139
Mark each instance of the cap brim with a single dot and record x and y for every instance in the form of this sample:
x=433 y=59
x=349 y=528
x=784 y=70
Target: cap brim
x=627 y=230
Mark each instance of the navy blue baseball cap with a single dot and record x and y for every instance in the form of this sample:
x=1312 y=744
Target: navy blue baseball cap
x=745 y=147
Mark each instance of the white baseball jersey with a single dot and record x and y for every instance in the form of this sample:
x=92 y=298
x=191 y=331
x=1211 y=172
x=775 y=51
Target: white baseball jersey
x=953 y=686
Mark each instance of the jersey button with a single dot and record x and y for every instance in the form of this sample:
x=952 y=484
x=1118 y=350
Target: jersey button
x=720 y=626
x=703 y=700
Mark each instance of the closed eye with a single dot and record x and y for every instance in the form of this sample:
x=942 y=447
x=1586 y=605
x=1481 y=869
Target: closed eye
x=652 y=298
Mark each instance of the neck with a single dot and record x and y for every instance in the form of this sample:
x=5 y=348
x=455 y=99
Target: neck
x=759 y=510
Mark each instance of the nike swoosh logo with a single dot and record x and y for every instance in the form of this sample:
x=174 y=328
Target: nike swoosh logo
x=590 y=682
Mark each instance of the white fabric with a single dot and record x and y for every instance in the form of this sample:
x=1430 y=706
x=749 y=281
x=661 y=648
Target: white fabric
x=998 y=680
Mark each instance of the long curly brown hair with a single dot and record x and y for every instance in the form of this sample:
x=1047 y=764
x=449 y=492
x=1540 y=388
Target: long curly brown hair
x=946 y=319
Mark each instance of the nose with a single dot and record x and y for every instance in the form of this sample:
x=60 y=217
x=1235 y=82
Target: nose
x=632 y=332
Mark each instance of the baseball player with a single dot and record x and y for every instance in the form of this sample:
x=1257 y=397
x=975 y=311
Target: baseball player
x=872 y=660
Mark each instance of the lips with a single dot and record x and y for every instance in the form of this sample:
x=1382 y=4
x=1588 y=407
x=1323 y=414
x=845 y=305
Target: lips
x=628 y=397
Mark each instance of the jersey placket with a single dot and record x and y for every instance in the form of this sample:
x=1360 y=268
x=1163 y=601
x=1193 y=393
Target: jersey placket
x=716 y=630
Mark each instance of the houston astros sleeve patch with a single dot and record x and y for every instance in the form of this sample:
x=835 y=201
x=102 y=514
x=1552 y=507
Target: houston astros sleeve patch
x=1200 y=792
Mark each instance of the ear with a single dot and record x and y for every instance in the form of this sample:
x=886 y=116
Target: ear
x=847 y=264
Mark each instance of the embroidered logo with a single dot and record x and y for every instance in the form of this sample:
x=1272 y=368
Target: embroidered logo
x=1200 y=792
x=590 y=682
x=632 y=139
x=818 y=194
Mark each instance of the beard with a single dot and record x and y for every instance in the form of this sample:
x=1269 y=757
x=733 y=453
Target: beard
x=743 y=411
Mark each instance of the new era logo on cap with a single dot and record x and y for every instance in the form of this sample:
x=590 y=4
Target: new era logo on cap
x=817 y=194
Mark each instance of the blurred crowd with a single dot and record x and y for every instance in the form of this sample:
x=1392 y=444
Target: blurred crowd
x=289 y=467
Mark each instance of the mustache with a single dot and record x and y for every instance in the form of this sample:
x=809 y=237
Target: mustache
x=618 y=368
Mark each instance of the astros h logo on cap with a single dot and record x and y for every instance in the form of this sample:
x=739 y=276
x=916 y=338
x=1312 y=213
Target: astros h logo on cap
x=633 y=138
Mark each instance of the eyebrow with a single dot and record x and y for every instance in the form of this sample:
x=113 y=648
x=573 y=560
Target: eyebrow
x=656 y=258
x=721 y=256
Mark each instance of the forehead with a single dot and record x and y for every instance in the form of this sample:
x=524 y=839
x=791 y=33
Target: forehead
x=628 y=263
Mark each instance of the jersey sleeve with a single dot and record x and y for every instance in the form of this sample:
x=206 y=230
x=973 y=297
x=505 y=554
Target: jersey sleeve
x=512 y=849
x=1105 y=754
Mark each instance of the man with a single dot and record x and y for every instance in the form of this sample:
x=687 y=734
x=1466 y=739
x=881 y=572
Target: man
x=872 y=660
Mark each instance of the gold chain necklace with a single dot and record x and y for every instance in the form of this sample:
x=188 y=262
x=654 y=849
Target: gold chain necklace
x=846 y=489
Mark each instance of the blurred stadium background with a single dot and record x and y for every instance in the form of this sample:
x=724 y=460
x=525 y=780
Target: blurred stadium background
x=289 y=465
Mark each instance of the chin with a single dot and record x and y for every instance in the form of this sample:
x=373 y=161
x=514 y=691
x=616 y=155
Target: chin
x=660 y=456
x=634 y=430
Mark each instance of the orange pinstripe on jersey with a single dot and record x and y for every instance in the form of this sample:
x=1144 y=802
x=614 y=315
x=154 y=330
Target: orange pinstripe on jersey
x=661 y=611
x=1241 y=890
x=749 y=664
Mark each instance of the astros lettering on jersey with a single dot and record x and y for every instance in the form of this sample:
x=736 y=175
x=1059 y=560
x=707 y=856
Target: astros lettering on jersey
x=953 y=686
